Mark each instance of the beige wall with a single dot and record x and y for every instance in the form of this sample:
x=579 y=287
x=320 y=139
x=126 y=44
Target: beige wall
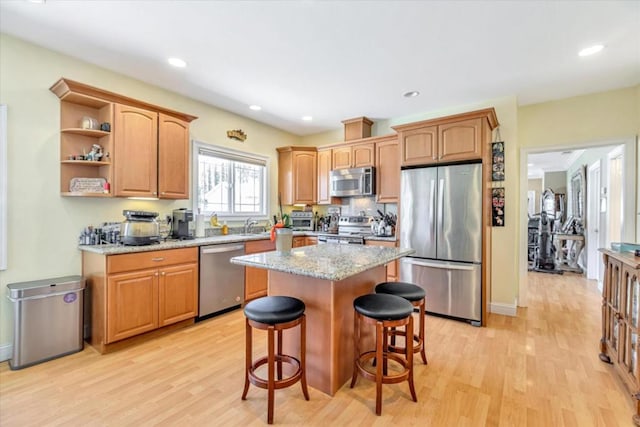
x=536 y=185
x=43 y=226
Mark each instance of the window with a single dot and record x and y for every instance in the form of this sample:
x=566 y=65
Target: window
x=232 y=184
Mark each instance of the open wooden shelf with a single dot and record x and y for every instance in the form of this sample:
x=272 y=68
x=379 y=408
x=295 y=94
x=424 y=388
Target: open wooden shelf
x=86 y=132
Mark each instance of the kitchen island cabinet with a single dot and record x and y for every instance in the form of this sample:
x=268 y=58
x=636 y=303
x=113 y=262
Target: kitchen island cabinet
x=392 y=267
x=137 y=293
x=327 y=278
x=256 y=279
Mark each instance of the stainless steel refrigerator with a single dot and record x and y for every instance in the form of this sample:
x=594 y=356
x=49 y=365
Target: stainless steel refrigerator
x=441 y=218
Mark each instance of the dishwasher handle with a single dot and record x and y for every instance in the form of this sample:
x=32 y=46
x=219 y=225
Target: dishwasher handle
x=221 y=249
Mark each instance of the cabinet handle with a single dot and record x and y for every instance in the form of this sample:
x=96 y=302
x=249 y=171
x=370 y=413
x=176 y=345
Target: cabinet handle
x=157 y=259
x=162 y=273
x=156 y=274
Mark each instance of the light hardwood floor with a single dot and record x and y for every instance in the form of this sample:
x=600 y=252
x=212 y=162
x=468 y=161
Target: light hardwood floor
x=540 y=368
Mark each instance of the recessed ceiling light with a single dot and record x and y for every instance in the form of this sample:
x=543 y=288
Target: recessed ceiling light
x=411 y=94
x=177 y=62
x=255 y=107
x=307 y=118
x=591 y=50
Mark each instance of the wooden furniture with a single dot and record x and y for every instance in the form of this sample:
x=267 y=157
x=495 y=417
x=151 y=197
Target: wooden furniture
x=416 y=296
x=274 y=314
x=324 y=178
x=620 y=320
x=446 y=139
x=327 y=278
x=145 y=150
x=384 y=312
x=387 y=169
x=133 y=294
x=256 y=279
x=357 y=128
x=392 y=267
x=354 y=155
x=299 y=241
x=297 y=175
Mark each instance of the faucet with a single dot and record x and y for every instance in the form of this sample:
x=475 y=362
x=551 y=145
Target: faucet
x=248 y=225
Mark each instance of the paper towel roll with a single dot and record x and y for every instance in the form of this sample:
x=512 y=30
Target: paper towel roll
x=199 y=225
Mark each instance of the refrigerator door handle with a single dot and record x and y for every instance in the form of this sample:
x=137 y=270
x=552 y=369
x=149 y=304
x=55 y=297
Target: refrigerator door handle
x=443 y=265
x=432 y=207
x=440 y=201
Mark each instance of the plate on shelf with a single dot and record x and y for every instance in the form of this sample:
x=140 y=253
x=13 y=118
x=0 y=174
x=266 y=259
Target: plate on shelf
x=87 y=185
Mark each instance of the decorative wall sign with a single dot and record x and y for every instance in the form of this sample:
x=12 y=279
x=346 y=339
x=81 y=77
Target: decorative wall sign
x=497 y=207
x=497 y=162
x=237 y=134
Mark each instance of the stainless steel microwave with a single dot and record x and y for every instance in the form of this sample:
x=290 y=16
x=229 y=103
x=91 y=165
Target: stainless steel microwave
x=353 y=182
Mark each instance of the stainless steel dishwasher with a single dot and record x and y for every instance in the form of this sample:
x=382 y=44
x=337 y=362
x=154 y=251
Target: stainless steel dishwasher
x=221 y=283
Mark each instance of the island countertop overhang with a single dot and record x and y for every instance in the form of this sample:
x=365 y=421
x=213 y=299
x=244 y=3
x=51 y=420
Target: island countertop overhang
x=328 y=262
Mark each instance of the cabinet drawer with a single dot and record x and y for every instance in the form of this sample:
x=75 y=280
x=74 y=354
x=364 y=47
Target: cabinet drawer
x=257 y=246
x=142 y=260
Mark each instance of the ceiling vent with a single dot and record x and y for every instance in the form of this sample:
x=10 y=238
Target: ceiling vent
x=357 y=128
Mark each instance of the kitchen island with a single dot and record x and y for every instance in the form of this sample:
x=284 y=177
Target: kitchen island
x=327 y=278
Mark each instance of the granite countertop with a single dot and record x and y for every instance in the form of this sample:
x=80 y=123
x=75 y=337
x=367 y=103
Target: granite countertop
x=329 y=262
x=111 y=249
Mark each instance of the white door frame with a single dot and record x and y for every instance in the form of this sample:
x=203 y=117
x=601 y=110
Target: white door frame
x=594 y=226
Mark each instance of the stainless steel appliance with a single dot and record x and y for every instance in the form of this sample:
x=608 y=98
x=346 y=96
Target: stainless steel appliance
x=353 y=182
x=351 y=231
x=301 y=220
x=47 y=319
x=139 y=228
x=441 y=218
x=221 y=283
x=180 y=224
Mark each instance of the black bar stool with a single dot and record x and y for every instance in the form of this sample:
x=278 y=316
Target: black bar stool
x=383 y=311
x=274 y=313
x=416 y=296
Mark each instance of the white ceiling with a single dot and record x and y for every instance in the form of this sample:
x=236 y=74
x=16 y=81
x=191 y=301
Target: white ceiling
x=551 y=161
x=335 y=60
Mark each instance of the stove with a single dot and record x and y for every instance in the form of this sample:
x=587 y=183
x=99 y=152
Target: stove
x=351 y=231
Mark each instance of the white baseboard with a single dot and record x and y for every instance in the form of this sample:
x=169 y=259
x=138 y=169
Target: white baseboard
x=504 y=309
x=6 y=351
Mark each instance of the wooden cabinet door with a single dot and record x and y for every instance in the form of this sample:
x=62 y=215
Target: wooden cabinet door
x=324 y=178
x=630 y=324
x=363 y=155
x=132 y=304
x=460 y=140
x=613 y=299
x=173 y=158
x=341 y=157
x=256 y=280
x=136 y=152
x=298 y=241
x=419 y=146
x=178 y=293
x=387 y=171
x=305 y=177
x=310 y=241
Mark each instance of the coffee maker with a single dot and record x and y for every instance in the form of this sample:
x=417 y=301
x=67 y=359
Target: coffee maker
x=180 y=224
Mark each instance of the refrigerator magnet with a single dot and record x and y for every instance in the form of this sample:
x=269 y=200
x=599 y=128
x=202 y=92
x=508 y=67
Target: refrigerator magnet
x=497 y=206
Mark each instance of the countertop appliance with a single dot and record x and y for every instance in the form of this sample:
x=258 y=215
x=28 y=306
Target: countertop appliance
x=351 y=231
x=356 y=182
x=221 y=283
x=139 y=228
x=180 y=224
x=301 y=220
x=441 y=218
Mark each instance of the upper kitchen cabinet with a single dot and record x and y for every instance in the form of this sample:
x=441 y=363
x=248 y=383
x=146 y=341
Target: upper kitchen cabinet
x=446 y=139
x=173 y=157
x=387 y=169
x=357 y=155
x=136 y=146
x=297 y=175
x=139 y=149
x=324 y=178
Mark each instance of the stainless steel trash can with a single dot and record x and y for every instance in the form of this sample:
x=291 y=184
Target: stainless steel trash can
x=47 y=319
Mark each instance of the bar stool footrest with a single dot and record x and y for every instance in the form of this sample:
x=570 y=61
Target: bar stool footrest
x=278 y=383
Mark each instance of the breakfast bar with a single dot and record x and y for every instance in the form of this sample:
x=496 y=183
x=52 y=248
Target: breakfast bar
x=327 y=278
